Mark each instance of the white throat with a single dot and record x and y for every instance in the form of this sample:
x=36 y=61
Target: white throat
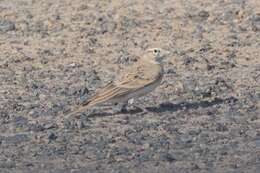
x=150 y=60
x=154 y=62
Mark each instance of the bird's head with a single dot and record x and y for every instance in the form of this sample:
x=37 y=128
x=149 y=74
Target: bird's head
x=155 y=54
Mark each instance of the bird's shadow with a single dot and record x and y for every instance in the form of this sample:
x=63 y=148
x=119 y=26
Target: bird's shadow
x=172 y=107
x=136 y=110
x=169 y=107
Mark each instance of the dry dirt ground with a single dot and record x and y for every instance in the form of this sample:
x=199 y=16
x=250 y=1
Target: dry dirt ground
x=203 y=118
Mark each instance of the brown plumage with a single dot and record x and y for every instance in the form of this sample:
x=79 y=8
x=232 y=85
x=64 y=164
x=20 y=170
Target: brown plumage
x=135 y=81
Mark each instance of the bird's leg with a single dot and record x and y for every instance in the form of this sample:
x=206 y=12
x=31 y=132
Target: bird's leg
x=124 y=107
x=131 y=101
x=136 y=108
x=119 y=107
x=139 y=108
x=125 y=104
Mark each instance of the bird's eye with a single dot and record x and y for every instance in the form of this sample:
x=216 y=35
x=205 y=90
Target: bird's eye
x=156 y=51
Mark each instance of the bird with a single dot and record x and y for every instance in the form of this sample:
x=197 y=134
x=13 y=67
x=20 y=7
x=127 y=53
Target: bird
x=133 y=82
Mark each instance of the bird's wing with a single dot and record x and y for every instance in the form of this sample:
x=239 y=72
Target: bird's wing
x=137 y=76
x=128 y=82
x=106 y=93
x=134 y=80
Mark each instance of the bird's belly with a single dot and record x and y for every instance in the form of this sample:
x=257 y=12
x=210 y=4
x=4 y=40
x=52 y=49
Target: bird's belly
x=143 y=91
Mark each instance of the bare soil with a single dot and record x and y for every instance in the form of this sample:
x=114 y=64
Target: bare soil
x=205 y=116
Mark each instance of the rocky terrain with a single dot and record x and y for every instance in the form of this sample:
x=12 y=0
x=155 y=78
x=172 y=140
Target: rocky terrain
x=205 y=116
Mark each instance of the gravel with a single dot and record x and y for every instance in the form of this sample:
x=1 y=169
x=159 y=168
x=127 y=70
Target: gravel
x=203 y=118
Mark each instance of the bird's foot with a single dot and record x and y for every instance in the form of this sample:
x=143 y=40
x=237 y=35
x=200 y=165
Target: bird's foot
x=123 y=110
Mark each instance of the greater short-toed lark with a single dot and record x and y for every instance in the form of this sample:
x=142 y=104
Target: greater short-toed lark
x=135 y=81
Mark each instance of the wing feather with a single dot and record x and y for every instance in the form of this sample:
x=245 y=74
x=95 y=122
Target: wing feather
x=109 y=92
x=131 y=80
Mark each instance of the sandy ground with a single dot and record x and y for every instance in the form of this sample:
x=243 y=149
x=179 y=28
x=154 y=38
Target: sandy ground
x=205 y=116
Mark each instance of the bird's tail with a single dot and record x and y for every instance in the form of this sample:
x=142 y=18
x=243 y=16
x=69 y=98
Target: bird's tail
x=108 y=92
x=79 y=109
x=66 y=115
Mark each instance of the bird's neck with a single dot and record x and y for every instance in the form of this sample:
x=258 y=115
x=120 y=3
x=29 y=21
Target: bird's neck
x=155 y=62
x=148 y=59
